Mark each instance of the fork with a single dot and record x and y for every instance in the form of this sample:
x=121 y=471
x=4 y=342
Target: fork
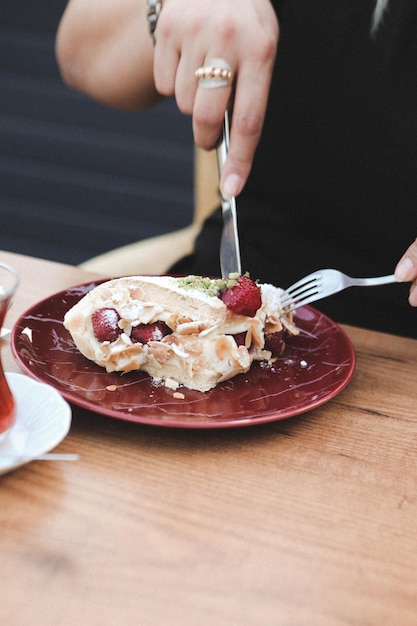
x=323 y=283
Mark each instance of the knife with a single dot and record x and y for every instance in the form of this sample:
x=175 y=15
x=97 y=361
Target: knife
x=229 y=246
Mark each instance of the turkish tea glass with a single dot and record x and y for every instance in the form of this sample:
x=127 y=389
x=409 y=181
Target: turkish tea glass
x=8 y=283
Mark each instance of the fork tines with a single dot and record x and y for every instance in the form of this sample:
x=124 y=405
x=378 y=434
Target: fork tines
x=300 y=291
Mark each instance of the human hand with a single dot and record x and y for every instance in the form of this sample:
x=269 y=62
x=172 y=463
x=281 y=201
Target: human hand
x=245 y=34
x=406 y=270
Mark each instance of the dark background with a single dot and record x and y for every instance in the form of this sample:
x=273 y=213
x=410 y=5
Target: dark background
x=78 y=178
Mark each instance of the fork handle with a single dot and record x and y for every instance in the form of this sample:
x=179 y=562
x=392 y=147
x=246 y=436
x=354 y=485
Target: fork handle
x=380 y=280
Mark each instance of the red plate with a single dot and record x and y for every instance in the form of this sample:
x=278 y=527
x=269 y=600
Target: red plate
x=316 y=365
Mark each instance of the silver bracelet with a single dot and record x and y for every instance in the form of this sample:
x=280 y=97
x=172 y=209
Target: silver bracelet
x=154 y=9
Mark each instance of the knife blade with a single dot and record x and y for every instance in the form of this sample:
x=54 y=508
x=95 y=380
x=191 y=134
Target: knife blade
x=229 y=245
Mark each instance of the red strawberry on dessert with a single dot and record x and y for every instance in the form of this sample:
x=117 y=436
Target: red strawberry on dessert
x=243 y=297
x=143 y=333
x=105 y=324
x=274 y=342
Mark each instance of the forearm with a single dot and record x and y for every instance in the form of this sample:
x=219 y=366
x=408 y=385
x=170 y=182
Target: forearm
x=104 y=50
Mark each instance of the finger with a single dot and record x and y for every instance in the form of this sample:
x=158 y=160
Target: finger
x=406 y=269
x=166 y=52
x=186 y=83
x=165 y=65
x=211 y=101
x=249 y=107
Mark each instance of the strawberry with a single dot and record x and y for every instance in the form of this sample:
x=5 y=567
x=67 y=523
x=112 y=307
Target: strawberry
x=274 y=342
x=240 y=339
x=105 y=324
x=143 y=333
x=243 y=297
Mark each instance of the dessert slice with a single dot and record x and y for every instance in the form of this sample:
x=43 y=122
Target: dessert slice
x=192 y=331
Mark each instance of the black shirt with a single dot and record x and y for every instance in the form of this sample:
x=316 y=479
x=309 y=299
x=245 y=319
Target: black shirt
x=334 y=180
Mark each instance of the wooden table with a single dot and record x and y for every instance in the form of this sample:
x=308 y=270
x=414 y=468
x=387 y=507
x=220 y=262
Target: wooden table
x=308 y=521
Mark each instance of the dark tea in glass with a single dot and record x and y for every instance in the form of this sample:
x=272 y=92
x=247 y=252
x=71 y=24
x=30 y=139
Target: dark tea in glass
x=8 y=283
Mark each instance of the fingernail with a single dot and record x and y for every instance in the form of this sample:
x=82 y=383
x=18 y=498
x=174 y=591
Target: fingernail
x=404 y=270
x=232 y=186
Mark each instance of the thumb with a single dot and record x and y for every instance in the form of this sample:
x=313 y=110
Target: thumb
x=406 y=269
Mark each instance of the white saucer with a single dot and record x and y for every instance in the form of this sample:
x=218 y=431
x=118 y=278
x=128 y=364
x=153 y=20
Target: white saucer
x=43 y=420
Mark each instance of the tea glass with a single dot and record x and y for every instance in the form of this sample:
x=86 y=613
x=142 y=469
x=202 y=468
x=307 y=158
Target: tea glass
x=9 y=280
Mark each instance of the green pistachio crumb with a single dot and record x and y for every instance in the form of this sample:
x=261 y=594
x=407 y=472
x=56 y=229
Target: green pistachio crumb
x=209 y=286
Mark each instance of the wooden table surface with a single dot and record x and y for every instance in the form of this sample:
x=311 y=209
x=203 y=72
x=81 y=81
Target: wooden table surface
x=307 y=521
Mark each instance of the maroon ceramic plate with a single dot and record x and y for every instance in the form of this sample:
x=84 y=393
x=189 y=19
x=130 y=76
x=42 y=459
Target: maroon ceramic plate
x=316 y=365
